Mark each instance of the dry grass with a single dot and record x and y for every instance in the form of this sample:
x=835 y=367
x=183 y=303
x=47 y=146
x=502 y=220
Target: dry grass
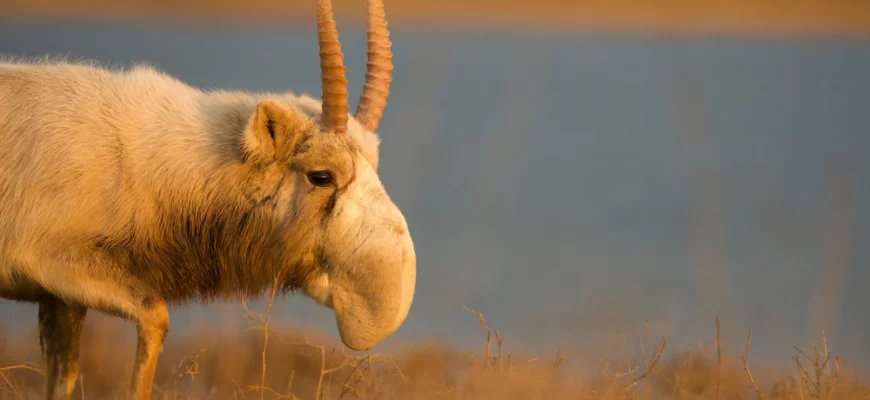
x=266 y=363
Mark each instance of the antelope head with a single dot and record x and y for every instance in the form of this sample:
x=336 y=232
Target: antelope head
x=342 y=227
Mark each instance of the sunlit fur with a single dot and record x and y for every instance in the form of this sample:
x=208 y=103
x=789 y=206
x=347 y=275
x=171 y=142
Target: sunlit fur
x=126 y=190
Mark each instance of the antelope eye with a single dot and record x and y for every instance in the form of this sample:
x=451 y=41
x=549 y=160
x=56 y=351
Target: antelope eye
x=320 y=178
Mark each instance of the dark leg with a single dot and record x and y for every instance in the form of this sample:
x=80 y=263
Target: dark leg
x=96 y=284
x=60 y=329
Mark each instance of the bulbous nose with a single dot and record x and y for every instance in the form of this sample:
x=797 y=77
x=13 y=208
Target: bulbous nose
x=382 y=304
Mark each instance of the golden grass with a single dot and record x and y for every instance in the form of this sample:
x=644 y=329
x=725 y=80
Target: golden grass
x=267 y=363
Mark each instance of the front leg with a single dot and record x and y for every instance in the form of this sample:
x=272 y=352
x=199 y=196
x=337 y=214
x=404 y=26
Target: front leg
x=60 y=329
x=95 y=283
x=153 y=324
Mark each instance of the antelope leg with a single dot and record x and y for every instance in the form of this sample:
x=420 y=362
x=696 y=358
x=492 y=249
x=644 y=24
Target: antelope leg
x=153 y=324
x=60 y=328
x=95 y=283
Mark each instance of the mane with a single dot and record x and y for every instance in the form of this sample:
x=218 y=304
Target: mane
x=215 y=251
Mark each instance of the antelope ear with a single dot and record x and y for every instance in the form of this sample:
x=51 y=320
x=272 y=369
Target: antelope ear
x=273 y=131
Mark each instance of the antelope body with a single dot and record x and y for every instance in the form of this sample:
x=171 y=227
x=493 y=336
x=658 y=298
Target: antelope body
x=126 y=191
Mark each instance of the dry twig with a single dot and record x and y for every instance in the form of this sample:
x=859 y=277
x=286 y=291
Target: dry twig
x=499 y=340
x=646 y=332
x=487 y=355
x=746 y=366
x=653 y=364
x=190 y=369
x=263 y=320
x=266 y=334
x=718 y=358
x=325 y=370
x=25 y=367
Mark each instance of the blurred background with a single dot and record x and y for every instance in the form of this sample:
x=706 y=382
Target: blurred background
x=571 y=169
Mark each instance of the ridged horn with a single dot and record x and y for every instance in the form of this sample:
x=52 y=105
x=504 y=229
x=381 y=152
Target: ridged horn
x=333 y=74
x=379 y=73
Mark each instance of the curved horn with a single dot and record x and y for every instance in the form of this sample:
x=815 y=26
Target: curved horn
x=379 y=72
x=333 y=78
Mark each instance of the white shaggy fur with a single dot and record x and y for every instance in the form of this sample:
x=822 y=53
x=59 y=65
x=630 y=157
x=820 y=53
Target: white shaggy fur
x=127 y=190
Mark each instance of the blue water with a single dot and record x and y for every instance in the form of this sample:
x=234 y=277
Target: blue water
x=573 y=186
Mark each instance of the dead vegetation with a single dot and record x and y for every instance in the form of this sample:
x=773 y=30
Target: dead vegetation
x=262 y=362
